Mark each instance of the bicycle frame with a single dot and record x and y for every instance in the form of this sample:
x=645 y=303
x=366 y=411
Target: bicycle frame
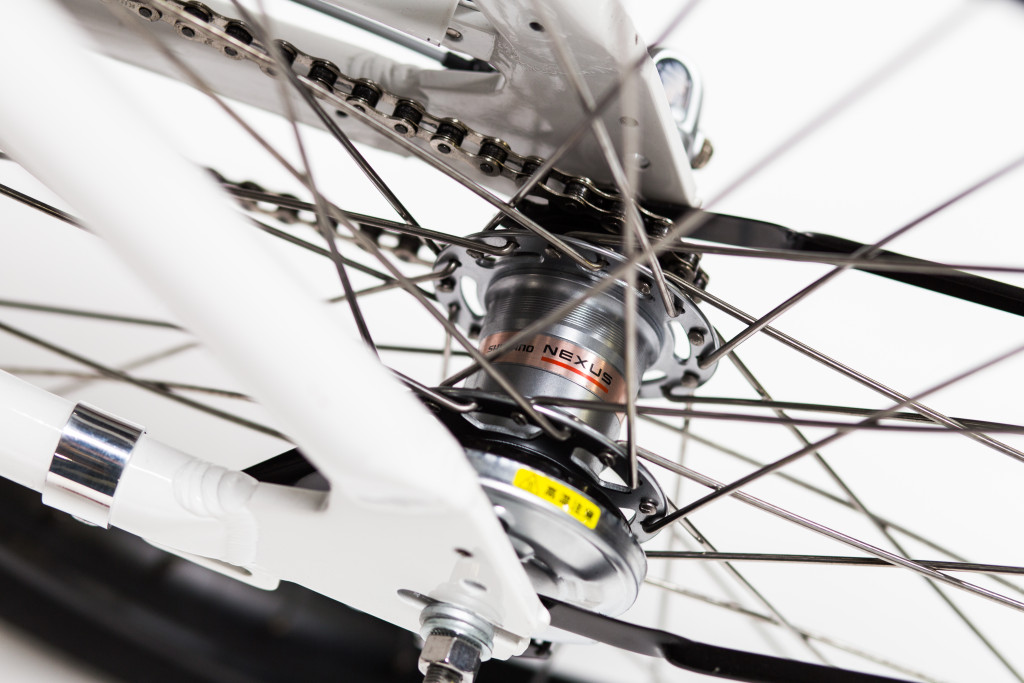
x=409 y=512
x=419 y=512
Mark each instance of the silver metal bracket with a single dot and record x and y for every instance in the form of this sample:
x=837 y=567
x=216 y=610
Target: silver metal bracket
x=88 y=463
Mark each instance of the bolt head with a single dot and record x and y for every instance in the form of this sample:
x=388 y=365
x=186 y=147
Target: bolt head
x=451 y=652
x=696 y=337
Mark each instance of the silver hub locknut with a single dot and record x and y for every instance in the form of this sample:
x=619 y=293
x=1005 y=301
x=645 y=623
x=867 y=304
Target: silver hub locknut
x=453 y=655
x=456 y=641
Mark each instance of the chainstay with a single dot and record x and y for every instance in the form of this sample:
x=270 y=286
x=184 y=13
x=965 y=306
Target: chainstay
x=449 y=138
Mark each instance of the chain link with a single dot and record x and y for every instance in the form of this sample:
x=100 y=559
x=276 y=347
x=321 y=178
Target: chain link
x=449 y=138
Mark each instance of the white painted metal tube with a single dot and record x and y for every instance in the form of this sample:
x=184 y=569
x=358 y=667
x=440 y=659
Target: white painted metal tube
x=206 y=262
x=164 y=495
x=31 y=421
x=402 y=493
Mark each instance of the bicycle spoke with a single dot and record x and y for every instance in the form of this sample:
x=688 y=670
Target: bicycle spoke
x=633 y=223
x=861 y=378
x=823 y=530
x=39 y=205
x=970 y=427
x=287 y=202
x=97 y=377
x=393 y=284
x=543 y=422
x=94 y=315
x=306 y=171
x=332 y=127
x=865 y=252
x=859 y=505
x=831 y=497
x=880 y=263
x=616 y=275
x=299 y=242
x=446 y=351
x=976 y=425
x=140 y=362
x=738 y=576
x=804 y=633
x=420 y=350
x=477 y=356
x=640 y=250
x=814 y=447
x=892 y=67
x=147 y=386
x=583 y=125
x=836 y=560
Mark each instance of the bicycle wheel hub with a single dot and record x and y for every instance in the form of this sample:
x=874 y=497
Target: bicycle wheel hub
x=564 y=502
x=582 y=355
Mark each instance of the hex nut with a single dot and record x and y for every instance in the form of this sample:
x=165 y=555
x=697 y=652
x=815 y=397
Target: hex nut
x=452 y=652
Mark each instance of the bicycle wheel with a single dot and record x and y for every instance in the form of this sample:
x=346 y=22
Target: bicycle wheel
x=896 y=111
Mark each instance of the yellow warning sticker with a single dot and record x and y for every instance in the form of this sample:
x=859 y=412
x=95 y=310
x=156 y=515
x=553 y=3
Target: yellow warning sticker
x=582 y=509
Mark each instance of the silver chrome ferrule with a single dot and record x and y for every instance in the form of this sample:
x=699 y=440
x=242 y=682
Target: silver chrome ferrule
x=88 y=463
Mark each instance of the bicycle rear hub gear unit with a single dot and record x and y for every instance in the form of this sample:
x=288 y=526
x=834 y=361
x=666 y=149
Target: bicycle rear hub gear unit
x=566 y=503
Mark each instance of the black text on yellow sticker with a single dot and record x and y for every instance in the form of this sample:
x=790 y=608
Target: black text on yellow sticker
x=582 y=509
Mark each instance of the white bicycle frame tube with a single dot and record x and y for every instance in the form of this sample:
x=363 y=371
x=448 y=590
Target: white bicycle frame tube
x=401 y=501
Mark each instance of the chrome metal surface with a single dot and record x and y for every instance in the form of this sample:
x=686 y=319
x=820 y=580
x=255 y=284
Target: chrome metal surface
x=599 y=568
x=87 y=465
x=581 y=356
x=685 y=91
x=455 y=642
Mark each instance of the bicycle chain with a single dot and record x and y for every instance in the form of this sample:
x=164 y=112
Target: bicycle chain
x=450 y=138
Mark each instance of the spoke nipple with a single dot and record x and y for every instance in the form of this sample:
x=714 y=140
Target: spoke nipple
x=648 y=506
x=689 y=381
x=696 y=337
x=520 y=419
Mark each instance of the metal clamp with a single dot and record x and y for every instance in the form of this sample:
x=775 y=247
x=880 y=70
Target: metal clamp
x=87 y=465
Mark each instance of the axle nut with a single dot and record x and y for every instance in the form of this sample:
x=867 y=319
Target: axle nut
x=452 y=652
